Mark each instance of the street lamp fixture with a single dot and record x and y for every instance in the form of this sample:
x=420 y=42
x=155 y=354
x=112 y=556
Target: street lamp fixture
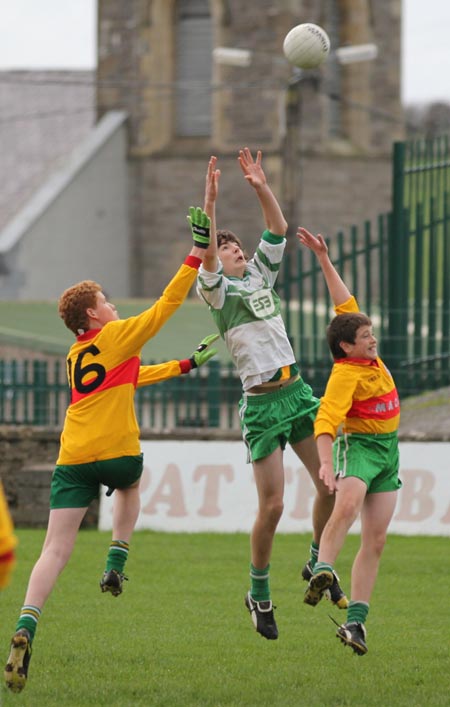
x=231 y=56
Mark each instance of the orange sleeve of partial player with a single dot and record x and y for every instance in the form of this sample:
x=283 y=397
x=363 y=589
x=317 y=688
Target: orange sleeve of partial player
x=8 y=542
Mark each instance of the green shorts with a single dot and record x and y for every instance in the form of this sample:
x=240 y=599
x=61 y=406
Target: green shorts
x=271 y=420
x=370 y=457
x=76 y=485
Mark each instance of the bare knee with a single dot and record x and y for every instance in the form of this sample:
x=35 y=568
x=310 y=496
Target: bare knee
x=343 y=515
x=271 y=511
x=376 y=543
x=59 y=555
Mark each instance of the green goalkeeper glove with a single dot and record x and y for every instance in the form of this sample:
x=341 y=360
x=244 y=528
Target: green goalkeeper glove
x=201 y=354
x=200 y=224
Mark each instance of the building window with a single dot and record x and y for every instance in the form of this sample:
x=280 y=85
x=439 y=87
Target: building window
x=193 y=68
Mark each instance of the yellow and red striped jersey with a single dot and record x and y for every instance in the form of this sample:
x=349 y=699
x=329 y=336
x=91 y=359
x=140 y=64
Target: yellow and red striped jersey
x=360 y=394
x=159 y=372
x=8 y=542
x=103 y=368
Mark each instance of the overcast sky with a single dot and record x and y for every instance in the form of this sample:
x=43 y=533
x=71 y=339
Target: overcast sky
x=62 y=34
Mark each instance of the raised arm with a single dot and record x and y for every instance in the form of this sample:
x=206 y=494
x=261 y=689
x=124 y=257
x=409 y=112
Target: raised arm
x=210 y=261
x=339 y=291
x=254 y=174
x=201 y=231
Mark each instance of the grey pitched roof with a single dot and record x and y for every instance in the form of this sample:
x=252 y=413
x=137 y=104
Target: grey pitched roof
x=43 y=116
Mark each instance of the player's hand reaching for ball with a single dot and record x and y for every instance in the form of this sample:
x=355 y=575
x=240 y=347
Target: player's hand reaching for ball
x=315 y=243
x=200 y=226
x=253 y=172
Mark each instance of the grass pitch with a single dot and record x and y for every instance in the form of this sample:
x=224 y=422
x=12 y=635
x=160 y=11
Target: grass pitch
x=179 y=636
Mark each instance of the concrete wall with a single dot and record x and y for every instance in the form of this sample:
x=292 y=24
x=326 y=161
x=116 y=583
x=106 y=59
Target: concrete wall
x=76 y=226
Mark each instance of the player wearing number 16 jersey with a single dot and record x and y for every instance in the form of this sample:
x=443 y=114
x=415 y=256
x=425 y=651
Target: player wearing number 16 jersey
x=100 y=438
x=103 y=368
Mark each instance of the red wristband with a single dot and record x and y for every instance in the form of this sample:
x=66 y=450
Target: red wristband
x=185 y=365
x=193 y=261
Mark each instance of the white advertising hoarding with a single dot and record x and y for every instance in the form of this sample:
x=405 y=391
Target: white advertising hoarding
x=207 y=486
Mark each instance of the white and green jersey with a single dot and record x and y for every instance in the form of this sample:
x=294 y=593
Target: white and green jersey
x=247 y=313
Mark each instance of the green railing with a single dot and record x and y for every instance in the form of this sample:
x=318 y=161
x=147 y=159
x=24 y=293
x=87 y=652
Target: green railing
x=398 y=268
x=36 y=393
x=362 y=262
x=33 y=392
x=419 y=286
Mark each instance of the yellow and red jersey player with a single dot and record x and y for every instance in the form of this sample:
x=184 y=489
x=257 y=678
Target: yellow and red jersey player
x=8 y=542
x=100 y=437
x=103 y=371
x=360 y=394
x=362 y=463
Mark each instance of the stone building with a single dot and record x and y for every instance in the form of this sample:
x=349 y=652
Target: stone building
x=326 y=135
x=107 y=163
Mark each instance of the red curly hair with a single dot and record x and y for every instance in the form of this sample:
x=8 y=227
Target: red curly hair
x=74 y=302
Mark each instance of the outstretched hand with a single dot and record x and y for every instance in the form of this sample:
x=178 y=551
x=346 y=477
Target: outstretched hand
x=253 y=172
x=212 y=181
x=200 y=226
x=315 y=243
x=202 y=353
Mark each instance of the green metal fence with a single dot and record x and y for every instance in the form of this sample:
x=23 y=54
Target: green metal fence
x=35 y=392
x=399 y=269
x=419 y=295
x=361 y=259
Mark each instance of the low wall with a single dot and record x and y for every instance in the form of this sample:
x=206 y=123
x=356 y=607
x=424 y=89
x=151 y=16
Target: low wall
x=27 y=459
x=213 y=483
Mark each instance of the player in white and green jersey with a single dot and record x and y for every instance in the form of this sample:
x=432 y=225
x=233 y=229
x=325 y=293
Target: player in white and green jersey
x=277 y=406
x=246 y=310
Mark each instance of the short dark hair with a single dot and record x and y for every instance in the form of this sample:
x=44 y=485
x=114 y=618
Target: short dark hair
x=225 y=236
x=343 y=328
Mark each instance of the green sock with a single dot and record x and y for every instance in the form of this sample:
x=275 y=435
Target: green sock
x=117 y=555
x=357 y=611
x=313 y=554
x=259 y=589
x=29 y=616
x=322 y=567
